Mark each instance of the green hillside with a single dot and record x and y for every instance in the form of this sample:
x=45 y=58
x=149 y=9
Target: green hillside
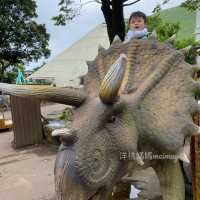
x=186 y=19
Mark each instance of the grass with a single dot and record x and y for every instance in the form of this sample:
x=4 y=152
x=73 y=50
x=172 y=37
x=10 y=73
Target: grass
x=186 y=19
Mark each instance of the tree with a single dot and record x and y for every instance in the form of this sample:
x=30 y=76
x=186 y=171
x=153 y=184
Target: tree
x=165 y=30
x=191 y=4
x=113 y=14
x=112 y=11
x=22 y=39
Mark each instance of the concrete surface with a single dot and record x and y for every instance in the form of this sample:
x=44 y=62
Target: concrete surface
x=27 y=174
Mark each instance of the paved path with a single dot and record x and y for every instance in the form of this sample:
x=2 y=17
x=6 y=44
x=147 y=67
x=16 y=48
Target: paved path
x=27 y=174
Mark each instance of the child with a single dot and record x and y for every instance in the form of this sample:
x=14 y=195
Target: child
x=137 y=26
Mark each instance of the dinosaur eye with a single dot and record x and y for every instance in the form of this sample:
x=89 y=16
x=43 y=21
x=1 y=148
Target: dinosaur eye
x=112 y=119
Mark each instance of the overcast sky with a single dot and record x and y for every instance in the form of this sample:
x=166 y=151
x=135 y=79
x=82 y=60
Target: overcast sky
x=90 y=16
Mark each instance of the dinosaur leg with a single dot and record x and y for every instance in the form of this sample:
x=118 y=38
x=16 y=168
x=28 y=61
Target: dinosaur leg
x=171 y=179
x=146 y=180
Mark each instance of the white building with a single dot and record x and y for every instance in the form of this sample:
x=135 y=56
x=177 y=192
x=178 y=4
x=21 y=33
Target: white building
x=66 y=68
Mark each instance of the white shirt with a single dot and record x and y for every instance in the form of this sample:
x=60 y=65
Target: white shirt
x=136 y=34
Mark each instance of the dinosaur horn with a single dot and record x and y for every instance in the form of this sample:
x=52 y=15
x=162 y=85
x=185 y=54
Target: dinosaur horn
x=184 y=152
x=69 y=96
x=100 y=48
x=172 y=39
x=112 y=81
x=186 y=49
x=116 y=40
x=153 y=35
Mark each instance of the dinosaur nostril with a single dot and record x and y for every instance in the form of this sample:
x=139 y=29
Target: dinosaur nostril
x=69 y=137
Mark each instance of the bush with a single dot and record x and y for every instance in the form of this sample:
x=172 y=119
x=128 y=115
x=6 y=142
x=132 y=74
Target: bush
x=66 y=115
x=190 y=57
x=153 y=22
x=166 y=30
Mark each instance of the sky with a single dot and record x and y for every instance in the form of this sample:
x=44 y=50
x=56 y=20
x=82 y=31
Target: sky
x=90 y=16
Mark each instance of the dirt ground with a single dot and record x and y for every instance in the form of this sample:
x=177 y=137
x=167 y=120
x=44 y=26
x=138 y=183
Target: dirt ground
x=27 y=174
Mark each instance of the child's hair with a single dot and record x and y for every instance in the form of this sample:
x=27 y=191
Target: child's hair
x=138 y=14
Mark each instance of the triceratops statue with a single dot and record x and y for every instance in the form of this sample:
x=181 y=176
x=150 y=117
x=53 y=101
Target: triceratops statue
x=138 y=96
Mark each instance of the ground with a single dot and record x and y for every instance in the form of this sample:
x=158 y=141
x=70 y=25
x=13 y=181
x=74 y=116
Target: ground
x=27 y=174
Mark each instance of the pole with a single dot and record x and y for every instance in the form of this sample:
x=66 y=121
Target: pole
x=195 y=162
x=195 y=140
x=198 y=30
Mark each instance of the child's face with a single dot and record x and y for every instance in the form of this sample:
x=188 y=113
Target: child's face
x=137 y=23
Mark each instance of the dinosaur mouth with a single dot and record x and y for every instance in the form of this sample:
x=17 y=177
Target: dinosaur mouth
x=67 y=183
x=70 y=189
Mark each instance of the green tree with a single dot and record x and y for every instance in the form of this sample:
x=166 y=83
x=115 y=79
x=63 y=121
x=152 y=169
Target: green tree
x=165 y=30
x=191 y=4
x=112 y=11
x=22 y=39
x=113 y=14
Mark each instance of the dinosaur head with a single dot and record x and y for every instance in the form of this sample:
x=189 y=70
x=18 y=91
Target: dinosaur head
x=135 y=93
x=102 y=130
